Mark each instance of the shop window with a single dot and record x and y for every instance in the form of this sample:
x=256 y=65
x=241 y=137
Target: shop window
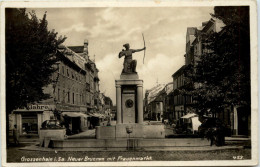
x=29 y=123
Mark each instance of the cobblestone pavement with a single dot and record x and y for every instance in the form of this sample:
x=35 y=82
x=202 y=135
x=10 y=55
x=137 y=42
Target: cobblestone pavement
x=14 y=154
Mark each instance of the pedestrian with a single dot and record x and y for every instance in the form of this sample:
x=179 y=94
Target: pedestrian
x=16 y=135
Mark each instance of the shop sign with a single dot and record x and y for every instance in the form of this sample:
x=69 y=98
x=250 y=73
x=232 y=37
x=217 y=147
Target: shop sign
x=36 y=107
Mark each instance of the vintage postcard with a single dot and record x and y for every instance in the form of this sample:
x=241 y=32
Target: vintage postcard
x=122 y=83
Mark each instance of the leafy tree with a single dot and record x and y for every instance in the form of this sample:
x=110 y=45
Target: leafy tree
x=221 y=75
x=30 y=58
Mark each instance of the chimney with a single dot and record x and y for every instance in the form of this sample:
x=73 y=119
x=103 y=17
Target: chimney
x=85 y=50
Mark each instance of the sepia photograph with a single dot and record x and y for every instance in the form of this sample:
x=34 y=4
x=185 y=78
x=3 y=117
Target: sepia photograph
x=123 y=83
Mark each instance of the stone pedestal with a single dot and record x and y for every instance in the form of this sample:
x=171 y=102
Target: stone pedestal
x=129 y=98
x=129 y=101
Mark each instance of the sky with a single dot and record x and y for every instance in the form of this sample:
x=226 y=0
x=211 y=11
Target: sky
x=108 y=29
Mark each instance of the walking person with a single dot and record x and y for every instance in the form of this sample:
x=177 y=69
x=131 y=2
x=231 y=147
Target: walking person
x=16 y=135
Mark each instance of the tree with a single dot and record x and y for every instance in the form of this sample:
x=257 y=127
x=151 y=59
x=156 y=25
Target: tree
x=30 y=58
x=221 y=75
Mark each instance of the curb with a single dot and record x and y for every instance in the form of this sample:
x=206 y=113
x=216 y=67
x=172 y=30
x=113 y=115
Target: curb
x=149 y=149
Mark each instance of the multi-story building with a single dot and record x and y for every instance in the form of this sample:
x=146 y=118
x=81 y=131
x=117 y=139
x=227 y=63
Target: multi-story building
x=194 y=48
x=96 y=96
x=108 y=105
x=153 y=103
x=168 y=103
x=67 y=97
x=74 y=93
x=232 y=116
x=92 y=79
x=178 y=98
x=158 y=102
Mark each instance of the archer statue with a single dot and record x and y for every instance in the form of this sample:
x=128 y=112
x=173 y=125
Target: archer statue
x=129 y=63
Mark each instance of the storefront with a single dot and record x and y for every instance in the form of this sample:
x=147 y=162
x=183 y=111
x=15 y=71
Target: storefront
x=73 y=118
x=96 y=119
x=241 y=121
x=29 y=120
x=74 y=122
x=178 y=111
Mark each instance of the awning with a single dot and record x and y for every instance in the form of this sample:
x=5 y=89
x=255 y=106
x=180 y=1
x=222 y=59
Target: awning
x=74 y=114
x=195 y=123
x=189 y=116
x=96 y=115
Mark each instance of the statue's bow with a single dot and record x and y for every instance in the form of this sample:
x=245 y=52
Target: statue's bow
x=144 y=46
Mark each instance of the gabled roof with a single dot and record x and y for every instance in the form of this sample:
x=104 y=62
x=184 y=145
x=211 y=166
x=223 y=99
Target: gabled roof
x=77 y=49
x=73 y=57
x=154 y=92
x=191 y=30
x=180 y=70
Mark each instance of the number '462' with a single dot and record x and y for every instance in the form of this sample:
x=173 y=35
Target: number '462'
x=239 y=157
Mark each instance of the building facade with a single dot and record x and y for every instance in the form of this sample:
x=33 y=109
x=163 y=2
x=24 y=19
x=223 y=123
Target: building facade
x=194 y=48
x=67 y=97
x=234 y=117
x=74 y=95
x=153 y=103
x=178 y=99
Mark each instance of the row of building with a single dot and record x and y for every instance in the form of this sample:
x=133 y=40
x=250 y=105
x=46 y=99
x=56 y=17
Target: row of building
x=166 y=102
x=75 y=98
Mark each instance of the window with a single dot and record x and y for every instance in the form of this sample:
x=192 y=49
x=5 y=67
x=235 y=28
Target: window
x=73 y=98
x=63 y=95
x=63 y=70
x=68 y=74
x=58 y=95
x=72 y=74
x=68 y=97
x=80 y=99
x=58 y=68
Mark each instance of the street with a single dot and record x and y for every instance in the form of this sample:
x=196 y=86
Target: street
x=16 y=155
